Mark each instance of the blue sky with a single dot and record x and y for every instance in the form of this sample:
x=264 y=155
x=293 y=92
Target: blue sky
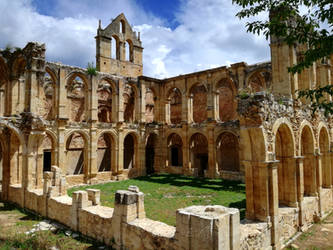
x=178 y=36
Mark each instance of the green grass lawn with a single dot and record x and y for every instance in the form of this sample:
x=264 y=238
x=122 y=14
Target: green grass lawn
x=165 y=193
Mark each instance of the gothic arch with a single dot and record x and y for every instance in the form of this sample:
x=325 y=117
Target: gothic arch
x=227 y=146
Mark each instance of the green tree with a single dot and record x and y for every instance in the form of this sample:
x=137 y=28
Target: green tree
x=296 y=22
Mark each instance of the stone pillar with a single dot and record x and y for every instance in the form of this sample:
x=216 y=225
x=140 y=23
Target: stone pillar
x=62 y=96
x=189 y=102
x=258 y=189
x=140 y=105
x=274 y=204
x=93 y=105
x=129 y=205
x=120 y=107
x=93 y=154
x=168 y=111
x=62 y=157
x=300 y=189
x=210 y=103
x=319 y=181
x=208 y=227
x=211 y=152
x=216 y=105
x=80 y=200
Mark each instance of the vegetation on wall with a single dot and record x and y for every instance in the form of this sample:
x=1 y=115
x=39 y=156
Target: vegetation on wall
x=307 y=22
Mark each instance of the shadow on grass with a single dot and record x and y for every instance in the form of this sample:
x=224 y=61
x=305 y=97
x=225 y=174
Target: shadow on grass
x=241 y=205
x=180 y=180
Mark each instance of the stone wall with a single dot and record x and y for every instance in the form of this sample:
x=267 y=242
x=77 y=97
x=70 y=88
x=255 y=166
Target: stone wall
x=126 y=225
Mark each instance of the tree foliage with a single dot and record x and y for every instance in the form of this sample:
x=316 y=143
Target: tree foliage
x=307 y=22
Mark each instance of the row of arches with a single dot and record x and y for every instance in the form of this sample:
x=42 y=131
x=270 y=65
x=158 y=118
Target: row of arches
x=225 y=103
x=117 y=51
x=285 y=153
x=45 y=153
x=226 y=146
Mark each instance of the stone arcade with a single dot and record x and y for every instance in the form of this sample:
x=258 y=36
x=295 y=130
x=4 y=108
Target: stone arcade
x=60 y=126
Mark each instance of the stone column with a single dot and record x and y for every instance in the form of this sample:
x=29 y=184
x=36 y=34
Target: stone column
x=93 y=105
x=211 y=152
x=140 y=105
x=93 y=154
x=168 y=111
x=216 y=105
x=62 y=96
x=62 y=157
x=300 y=188
x=120 y=107
x=319 y=181
x=274 y=204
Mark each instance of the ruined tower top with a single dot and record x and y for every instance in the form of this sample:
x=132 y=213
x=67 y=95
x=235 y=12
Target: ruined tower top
x=118 y=48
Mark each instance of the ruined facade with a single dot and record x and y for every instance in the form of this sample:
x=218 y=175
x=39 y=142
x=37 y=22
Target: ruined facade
x=241 y=122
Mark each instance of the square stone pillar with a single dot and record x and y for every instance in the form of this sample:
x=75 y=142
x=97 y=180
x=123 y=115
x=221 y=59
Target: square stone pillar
x=129 y=205
x=208 y=227
x=80 y=200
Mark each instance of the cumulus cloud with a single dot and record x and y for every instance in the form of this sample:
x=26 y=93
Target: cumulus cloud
x=208 y=34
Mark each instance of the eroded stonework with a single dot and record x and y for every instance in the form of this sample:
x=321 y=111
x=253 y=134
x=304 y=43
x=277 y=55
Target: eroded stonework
x=62 y=126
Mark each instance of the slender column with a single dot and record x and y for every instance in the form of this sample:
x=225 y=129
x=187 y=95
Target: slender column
x=93 y=154
x=274 y=204
x=62 y=157
x=93 y=105
x=319 y=181
x=300 y=188
x=120 y=106
x=62 y=96
x=211 y=152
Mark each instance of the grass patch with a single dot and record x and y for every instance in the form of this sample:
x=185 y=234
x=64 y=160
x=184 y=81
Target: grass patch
x=165 y=193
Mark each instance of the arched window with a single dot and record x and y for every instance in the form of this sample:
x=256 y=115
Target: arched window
x=113 y=48
x=199 y=154
x=104 y=102
x=175 y=106
x=175 y=150
x=228 y=152
x=75 y=147
x=129 y=51
x=227 y=100
x=129 y=152
x=129 y=101
x=104 y=153
x=199 y=98
x=122 y=26
x=150 y=103
x=76 y=93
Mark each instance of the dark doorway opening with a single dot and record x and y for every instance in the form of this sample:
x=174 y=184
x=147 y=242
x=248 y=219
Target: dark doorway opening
x=174 y=156
x=47 y=161
x=129 y=152
x=203 y=164
x=150 y=155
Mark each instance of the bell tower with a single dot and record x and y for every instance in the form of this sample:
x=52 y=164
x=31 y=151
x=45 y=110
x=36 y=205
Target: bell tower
x=119 y=49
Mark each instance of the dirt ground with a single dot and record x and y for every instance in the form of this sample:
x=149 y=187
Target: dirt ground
x=318 y=237
x=16 y=228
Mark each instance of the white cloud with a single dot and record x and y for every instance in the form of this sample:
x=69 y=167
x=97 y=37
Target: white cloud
x=209 y=34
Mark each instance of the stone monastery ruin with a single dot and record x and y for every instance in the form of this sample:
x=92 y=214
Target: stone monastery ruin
x=61 y=126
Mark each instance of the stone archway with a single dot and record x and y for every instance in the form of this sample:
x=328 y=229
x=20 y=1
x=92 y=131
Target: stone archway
x=76 y=150
x=129 y=152
x=150 y=153
x=199 y=103
x=228 y=152
x=175 y=150
x=104 y=153
x=309 y=167
x=284 y=150
x=324 y=147
x=199 y=154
